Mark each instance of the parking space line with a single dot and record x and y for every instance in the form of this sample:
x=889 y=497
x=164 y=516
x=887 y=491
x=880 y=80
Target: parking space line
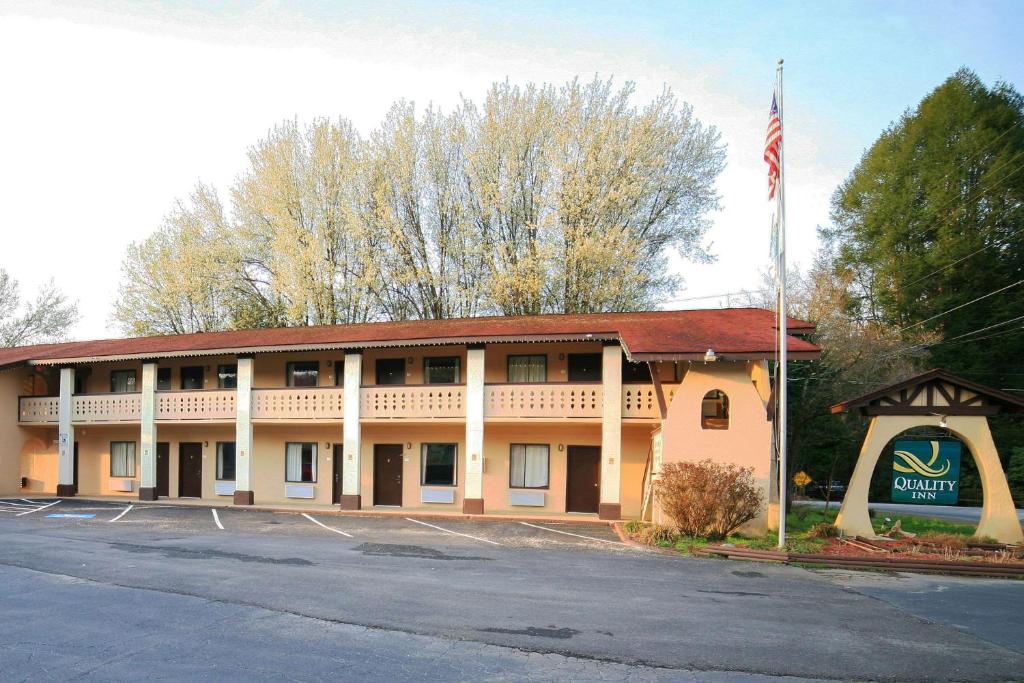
x=567 y=533
x=449 y=531
x=7 y=502
x=217 y=519
x=28 y=512
x=329 y=528
x=123 y=513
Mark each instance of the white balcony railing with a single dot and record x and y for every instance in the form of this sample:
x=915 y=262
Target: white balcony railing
x=426 y=401
x=216 y=404
x=311 y=403
x=38 y=409
x=120 y=407
x=543 y=400
x=641 y=400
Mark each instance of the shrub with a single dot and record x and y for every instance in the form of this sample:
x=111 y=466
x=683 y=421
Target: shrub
x=655 y=534
x=708 y=499
x=823 y=530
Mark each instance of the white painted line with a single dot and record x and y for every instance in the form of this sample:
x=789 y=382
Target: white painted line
x=37 y=509
x=217 y=519
x=123 y=513
x=329 y=528
x=556 y=531
x=22 y=505
x=449 y=531
x=31 y=502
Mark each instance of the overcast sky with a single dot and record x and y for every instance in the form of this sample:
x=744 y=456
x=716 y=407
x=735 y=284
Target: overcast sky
x=112 y=111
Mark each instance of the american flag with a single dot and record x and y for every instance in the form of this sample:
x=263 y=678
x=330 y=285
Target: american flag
x=773 y=147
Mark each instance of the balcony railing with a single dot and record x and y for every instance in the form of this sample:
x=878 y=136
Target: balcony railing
x=38 y=409
x=641 y=400
x=543 y=400
x=426 y=401
x=120 y=407
x=312 y=403
x=216 y=404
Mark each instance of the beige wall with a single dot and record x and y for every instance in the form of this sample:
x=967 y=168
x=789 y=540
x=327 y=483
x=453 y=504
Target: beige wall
x=412 y=437
x=12 y=383
x=747 y=441
x=269 y=443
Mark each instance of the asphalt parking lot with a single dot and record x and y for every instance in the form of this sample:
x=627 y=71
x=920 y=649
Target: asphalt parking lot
x=112 y=590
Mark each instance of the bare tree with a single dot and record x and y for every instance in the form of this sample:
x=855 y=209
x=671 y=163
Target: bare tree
x=43 y=319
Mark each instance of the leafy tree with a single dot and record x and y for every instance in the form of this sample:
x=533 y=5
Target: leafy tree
x=43 y=319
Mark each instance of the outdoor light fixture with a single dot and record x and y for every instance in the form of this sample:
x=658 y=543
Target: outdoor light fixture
x=710 y=356
x=942 y=422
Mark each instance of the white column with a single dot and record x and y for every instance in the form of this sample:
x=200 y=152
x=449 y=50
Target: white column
x=473 y=497
x=611 y=432
x=244 y=494
x=66 y=435
x=352 y=433
x=147 y=439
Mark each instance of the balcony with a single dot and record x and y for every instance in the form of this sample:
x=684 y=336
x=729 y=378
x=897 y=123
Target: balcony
x=551 y=400
x=38 y=409
x=312 y=403
x=412 y=402
x=183 y=406
x=640 y=401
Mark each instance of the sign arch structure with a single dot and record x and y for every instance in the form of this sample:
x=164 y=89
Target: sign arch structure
x=934 y=399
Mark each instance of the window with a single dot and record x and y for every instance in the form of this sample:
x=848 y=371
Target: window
x=122 y=459
x=635 y=372
x=122 y=381
x=438 y=464
x=714 y=410
x=584 y=367
x=304 y=373
x=192 y=377
x=226 y=460
x=79 y=383
x=163 y=379
x=300 y=462
x=390 y=371
x=441 y=370
x=528 y=466
x=339 y=373
x=527 y=368
x=227 y=376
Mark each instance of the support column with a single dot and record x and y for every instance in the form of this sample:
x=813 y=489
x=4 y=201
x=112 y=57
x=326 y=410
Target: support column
x=473 y=497
x=352 y=432
x=243 y=432
x=147 y=439
x=66 y=435
x=611 y=432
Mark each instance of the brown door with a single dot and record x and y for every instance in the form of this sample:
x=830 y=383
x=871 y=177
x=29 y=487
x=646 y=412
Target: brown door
x=339 y=452
x=190 y=470
x=75 y=479
x=387 y=474
x=163 y=469
x=583 y=485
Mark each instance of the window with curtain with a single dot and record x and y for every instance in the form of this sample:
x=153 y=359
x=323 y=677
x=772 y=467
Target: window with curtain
x=441 y=370
x=300 y=462
x=438 y=466
x=122 y=381
x=532 y=368
x=714 y=410
x=303 y=373
x=528 y=466
x=227 y=376
x=226 y=460
x=122 y=459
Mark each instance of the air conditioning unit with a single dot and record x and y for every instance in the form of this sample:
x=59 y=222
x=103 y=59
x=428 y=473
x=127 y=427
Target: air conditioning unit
x=299 y=491
x=126 y=485
x=437 y=495
x=527 y=498
x=224 y=488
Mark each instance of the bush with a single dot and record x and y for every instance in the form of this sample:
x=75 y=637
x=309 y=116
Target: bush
x=823 y=530
x=707 y=499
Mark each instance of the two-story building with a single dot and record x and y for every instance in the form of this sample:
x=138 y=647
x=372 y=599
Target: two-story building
x=548 y=414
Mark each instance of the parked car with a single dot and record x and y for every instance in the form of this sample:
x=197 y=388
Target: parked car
x=835 y=490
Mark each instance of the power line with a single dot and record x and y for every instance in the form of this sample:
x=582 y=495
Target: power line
x=957 y=308
x=961 y=260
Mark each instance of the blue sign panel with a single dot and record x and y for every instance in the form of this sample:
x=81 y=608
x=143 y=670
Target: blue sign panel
x=926 y=471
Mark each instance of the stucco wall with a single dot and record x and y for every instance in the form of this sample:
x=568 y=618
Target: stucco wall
x=747 y=441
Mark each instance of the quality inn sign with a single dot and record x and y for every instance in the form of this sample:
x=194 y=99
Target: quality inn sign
x=926 y=471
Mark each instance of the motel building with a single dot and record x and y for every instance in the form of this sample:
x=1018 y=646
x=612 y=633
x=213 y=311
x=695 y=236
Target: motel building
x=540 y=415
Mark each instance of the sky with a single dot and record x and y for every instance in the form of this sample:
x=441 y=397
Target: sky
x=113 y=111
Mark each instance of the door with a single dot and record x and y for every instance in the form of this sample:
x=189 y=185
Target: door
x=387 y=474
x=585 y=367
x=75 y=468
x=163 y=469
x=583 y=479
x=190 y=470
x=337 y=464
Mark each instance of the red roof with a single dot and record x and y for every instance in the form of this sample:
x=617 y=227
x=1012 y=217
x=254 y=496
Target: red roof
x=742 y=333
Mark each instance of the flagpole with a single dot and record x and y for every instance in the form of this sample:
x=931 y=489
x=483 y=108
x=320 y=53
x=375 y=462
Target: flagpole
x=783 y=337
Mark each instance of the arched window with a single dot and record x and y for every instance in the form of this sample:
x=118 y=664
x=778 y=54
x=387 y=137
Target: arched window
x=714 y=410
